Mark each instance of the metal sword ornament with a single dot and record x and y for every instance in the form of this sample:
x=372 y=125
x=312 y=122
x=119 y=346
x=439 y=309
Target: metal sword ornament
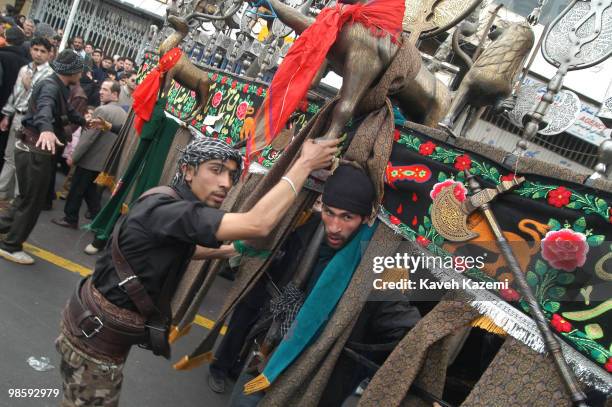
x=579 y=38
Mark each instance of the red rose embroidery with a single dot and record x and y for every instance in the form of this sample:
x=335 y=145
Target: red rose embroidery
x=224 y=80
x=564 y=249
x=559 y=197
x=259 y=91
x=608 y=365
x=245 y=88
x=215 y=76
x=508 y=177
x=228 y=140
x=459 y=190
x=241 y=110
x=560 y=324
x=394 y=220
x=216 y=100
x=234 y=84
x=423 y=241
x=509 y=294
x=396 y=135
x=463 y=162
x=427 y=148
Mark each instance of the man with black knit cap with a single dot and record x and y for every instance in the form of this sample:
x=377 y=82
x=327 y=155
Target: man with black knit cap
x=348 y=199
x=347 y=204
x=127 y=300
x=43 y=129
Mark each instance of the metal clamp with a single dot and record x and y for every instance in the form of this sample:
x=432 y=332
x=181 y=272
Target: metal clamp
x=121 y=283
x=97 y=329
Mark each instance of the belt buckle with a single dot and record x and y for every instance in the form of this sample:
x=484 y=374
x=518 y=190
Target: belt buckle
x=97 y=320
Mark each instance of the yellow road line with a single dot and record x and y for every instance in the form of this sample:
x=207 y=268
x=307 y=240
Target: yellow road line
x=84 y=271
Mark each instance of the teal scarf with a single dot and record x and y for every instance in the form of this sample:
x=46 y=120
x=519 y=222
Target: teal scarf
x=316 y=310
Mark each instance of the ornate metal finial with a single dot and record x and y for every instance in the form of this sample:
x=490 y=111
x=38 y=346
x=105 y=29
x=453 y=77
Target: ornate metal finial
x=578 y=38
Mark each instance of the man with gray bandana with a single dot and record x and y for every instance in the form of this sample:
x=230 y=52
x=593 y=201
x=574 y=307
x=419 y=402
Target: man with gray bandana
x=127 y=300
x=43 y=129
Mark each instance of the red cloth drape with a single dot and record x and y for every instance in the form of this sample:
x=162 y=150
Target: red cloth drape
x=145 y=94
x=295 y=74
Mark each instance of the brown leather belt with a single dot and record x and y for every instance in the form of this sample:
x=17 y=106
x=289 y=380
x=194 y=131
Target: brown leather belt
x=89 y=322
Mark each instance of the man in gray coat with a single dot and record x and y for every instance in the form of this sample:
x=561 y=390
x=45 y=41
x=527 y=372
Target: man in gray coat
x=90 y=155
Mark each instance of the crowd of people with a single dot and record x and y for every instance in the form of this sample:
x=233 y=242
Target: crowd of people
x=42 y=92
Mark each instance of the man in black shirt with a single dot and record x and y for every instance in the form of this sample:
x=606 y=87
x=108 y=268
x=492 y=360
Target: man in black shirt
x=43 y=129
x=152 y=246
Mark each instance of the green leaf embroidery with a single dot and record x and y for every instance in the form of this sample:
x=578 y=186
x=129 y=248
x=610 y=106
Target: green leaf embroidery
x=594 y=331
x=552 y=306
x=595 y=240
x=602 y=205
x=442 y=177
x=540 y=268
x=579 y=225
x=532 y=279
x=426 y=222
x=554 y=224
x=565 y=278
x=556 y=292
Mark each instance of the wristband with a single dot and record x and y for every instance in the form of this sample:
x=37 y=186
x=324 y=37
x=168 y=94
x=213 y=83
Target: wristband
x=291 y=184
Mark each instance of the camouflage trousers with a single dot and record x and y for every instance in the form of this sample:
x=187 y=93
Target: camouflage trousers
x=85 y=380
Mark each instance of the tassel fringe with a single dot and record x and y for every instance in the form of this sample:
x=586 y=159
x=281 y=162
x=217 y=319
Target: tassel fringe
x=176 y=333
x=486 y=323
x=105 y=180
x=187 y=363
x=257 y=384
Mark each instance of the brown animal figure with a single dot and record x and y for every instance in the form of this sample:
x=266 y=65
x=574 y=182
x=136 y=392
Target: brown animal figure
x=184 y=72
x=491 y=77
x=523 y=249
x=361 y=58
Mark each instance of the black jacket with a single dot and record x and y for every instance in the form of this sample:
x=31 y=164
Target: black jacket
x=12 y=58
x=49 y=110
x=158 y=238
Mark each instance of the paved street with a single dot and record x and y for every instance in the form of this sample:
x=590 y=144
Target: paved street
x=31 y=299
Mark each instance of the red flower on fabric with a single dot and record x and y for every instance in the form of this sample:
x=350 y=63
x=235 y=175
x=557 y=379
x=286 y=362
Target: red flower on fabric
x=228 y=140
x=215 y=76
x=394 y=220
x=463 y=162
x=241 y=110
x=508 y=177
x=559 y=197
x=608 y=365
x=564 y=249
x=423 y=241
x=427 y=148
x=224 y=80
x=245 y=88
x=459 y=190
x=560 y=324
x=509 y=294
x=259 y=91
x=234 y=84
x=216 y=100
x=396 y=135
